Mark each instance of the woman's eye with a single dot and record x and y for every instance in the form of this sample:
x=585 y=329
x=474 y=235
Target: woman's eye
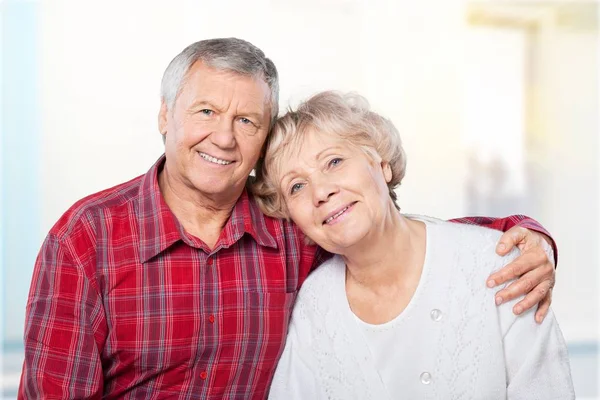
x=336 y=161
x=296 y=187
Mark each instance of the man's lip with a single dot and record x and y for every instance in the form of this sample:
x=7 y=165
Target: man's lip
x=218 y=158
x=331 y=214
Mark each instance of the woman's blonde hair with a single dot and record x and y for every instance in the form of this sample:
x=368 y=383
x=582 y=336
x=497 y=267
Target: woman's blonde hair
x=347 y=116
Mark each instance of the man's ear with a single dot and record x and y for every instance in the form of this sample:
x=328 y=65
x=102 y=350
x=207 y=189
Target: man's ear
x=162 y=118
x=387 y=171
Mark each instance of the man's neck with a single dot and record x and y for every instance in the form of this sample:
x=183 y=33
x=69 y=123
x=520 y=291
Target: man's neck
x=201 y=216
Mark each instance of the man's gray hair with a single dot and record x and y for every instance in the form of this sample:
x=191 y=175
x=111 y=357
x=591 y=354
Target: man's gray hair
x=229 y=54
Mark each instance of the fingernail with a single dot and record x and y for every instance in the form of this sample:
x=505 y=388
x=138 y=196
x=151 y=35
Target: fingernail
x=518 y=310
x=491 y=283
x=498 y=300
x=501 y=246
x=539 y=318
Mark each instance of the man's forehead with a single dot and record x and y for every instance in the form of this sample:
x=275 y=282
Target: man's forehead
x=217 y=76
x=220 y=86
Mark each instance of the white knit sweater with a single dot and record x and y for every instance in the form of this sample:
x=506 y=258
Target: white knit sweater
x=451 y=341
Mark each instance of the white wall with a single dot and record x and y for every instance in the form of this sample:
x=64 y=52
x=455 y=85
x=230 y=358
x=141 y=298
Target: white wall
x=102 y=63
x=412 y=69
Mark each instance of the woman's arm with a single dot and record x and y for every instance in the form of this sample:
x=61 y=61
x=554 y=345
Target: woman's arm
x=294 y=378
x=535 y=354
x=537 y=362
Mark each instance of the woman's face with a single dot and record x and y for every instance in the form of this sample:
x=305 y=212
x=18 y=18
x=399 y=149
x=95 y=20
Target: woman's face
x=334 y=192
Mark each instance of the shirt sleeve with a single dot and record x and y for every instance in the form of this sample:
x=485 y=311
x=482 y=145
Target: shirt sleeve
x=537 y=362
x=504 y=224
x=64 y=313
x=535 y=355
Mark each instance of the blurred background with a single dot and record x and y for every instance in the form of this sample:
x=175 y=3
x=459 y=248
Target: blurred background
x=496 y=101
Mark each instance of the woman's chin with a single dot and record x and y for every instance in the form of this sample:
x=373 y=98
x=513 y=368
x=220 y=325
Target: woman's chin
x=343 y=245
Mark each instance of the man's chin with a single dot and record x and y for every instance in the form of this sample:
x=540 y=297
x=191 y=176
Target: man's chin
x=222 y=189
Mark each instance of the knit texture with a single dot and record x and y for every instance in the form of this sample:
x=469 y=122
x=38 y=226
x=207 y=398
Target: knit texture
x=475 y=350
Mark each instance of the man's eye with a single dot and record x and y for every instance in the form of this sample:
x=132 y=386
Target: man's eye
x=207 y=112
x=296 y=187
x=245 y=121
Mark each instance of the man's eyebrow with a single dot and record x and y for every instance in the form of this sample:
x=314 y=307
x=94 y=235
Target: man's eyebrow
x=204 y=103
x=255 y=115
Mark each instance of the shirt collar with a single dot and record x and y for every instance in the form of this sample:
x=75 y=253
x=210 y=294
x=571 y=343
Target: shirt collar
x=159 y=228
x=246 y=217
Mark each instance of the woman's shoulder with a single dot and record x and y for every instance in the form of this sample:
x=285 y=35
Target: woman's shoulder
x=322 y=292
x=471 y=231
x=465 y=237
x=324 y=276
x=462 y=249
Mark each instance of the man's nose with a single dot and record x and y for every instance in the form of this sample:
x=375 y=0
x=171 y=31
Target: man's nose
x=223 y=136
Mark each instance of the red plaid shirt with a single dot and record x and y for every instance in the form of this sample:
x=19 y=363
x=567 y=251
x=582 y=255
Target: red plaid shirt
x=125 y=304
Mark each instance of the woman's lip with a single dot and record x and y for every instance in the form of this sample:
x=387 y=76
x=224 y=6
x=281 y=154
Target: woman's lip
x=338 y=213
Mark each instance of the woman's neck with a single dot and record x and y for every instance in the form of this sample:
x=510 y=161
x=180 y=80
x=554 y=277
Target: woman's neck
x=381 y=282
x=389 y=255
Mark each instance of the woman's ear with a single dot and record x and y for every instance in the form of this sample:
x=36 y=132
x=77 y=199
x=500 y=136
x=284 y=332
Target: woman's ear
x=387 y=171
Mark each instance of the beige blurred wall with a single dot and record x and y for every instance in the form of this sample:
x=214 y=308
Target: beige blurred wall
x=413 y=58
x=565 y=147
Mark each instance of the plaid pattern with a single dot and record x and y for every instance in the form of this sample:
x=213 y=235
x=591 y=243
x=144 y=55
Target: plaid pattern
x=124 y=304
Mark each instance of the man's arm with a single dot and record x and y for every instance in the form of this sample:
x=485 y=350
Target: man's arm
x=64 y=313
x=504 y=224
x=534 y=269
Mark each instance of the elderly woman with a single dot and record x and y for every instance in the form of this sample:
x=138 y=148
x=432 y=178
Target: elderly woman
x=400 y=311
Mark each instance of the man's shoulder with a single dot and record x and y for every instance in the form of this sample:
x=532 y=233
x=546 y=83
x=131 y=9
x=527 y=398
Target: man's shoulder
x=103 y=205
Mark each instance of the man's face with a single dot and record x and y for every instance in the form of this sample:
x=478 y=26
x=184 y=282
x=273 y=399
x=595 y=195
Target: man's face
x=215 y=131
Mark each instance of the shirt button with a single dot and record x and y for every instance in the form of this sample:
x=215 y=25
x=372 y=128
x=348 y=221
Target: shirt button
x=211 y=319
x=425 y=378
x=203 y=375
x=209 y=261
x=436 y=315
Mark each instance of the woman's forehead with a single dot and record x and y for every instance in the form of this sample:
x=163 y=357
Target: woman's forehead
x=302 y=149
x=311 y=146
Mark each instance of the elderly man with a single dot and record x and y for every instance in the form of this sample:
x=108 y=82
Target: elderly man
x=174 y=285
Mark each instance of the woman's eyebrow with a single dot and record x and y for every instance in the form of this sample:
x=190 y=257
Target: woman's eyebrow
x=319 y=154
